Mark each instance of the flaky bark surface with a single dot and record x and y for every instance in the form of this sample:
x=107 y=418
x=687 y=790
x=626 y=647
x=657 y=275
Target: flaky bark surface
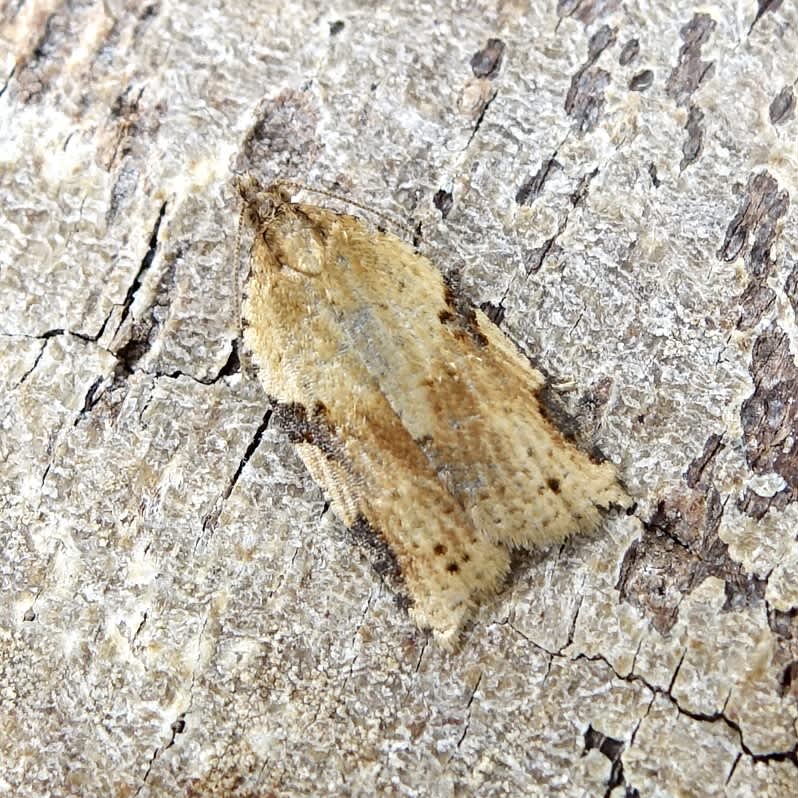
x=614 y=184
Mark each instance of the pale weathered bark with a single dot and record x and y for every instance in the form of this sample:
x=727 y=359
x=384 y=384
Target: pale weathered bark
x=179 y=615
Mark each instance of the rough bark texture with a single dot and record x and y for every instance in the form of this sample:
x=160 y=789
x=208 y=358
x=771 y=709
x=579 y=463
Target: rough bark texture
x=614 y=183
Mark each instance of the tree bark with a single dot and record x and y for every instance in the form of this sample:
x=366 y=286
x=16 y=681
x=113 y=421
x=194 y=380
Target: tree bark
x=612 y=183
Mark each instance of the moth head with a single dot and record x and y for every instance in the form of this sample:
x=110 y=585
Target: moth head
x=294 y=242
x=260 y=204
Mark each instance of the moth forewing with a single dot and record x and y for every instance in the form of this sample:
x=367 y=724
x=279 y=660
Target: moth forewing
x=418 y=417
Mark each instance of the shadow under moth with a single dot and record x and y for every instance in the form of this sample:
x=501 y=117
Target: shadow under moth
x=417 y=416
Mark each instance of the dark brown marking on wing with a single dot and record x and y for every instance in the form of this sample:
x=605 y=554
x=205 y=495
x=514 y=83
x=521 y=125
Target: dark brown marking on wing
x=460 y=316
x=314 y=428
x=562 y=428
x=379 y=553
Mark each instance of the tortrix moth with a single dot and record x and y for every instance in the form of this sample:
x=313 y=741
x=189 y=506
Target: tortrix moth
x=417 y=416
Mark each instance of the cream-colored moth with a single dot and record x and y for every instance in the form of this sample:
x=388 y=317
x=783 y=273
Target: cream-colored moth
x=416 y=415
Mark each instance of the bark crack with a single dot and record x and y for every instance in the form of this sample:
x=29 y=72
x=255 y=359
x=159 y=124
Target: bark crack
x=468 y=709
x=356 y=655
x=790 y=755
x=178 y=726
x=763 y=7
x=135 y=348
x=479 y=120
x=8 y=80
x=212 y=517
x=33 y=367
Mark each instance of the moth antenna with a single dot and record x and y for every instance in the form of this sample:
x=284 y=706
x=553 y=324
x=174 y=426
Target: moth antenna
x=236 y=268
x=385 y=217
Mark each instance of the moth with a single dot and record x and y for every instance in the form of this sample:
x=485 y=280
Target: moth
x=420 y=420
